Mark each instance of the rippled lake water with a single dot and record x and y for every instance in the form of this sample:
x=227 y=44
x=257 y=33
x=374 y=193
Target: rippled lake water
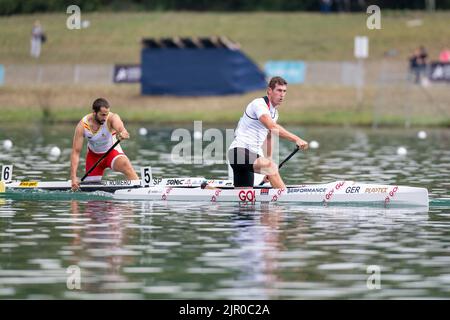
x=145 y=250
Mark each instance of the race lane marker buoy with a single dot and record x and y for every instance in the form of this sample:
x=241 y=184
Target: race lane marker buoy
x=401 y=151
x=7 y=144
x=143 y=131
x=422 y=135
x=314 y=144
x=55 y=152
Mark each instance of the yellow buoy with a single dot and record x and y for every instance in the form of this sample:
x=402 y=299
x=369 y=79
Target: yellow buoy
x=2 y=186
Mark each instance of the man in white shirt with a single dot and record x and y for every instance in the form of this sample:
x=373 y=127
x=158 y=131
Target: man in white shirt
x=36 y=39
x=255 y=128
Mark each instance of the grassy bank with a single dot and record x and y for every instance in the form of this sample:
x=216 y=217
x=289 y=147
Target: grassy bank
x=307 y=118
x=306 y=105
x=115 y=37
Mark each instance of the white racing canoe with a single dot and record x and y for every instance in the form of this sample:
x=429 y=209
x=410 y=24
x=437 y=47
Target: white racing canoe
x=189 y=189
x=105 y=186
x=339 y=192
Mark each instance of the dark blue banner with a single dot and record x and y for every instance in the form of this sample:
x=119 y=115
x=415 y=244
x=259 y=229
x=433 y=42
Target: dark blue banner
x=198 y=72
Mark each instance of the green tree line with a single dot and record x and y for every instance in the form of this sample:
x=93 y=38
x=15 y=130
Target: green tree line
x=9 y=7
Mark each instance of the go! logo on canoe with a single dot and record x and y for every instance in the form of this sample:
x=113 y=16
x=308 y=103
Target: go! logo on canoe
x=164 y=196
x=336 y=187
x=216 y=195
x=276 y=196
x=390 y=195
x=247 y=195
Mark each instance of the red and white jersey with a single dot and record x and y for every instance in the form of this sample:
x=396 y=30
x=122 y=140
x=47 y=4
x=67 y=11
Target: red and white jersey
x=101 y=140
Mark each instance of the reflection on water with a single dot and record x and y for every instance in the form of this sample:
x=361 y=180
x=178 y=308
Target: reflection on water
x=221 y=251
x=99 y=246
x=144 y=250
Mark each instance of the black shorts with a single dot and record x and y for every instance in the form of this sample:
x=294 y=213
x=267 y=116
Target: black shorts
x=241 y=161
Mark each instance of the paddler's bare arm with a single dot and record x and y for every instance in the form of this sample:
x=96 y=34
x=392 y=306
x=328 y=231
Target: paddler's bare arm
x=268 y=145
x=117 y=124
x=282 y=132
x=77 y=145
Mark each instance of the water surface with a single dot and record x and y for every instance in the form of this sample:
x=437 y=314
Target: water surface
x=145 y=250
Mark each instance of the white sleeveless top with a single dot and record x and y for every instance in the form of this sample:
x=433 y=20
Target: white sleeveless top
x=101 y=140
x=250 y=132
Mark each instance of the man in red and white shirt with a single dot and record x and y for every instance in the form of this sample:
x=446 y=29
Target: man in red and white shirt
x=102 y=129
x=256 y=127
